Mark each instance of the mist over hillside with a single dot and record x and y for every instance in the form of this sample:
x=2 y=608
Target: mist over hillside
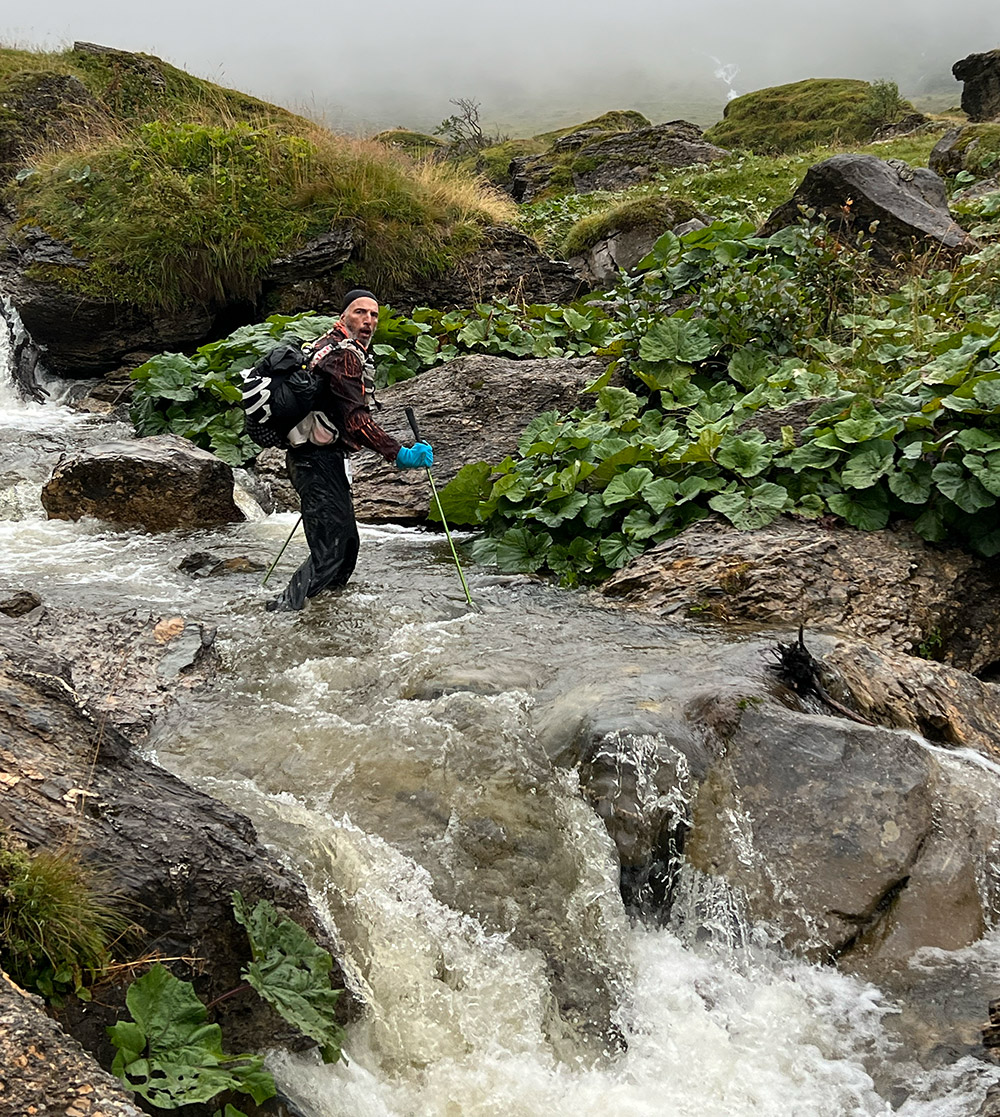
x=531 y=65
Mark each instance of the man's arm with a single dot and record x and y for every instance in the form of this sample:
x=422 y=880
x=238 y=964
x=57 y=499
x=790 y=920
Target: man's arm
x=343 y=371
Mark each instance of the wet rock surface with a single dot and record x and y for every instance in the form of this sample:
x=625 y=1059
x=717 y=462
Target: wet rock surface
x=471 y=409
x=889 y=588
x=44 y=1072
x=158 y=484
x=169 y=855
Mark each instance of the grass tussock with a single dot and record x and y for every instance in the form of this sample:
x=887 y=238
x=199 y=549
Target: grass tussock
x=55 y=930
x=180 y=192
x=658 y=211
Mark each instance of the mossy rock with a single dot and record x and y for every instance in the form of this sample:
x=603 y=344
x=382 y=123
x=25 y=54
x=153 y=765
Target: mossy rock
x=616 y=120
x=974 y=148
x=185 y=192
x=654 y=211
x=418 y=145
x=792 y=117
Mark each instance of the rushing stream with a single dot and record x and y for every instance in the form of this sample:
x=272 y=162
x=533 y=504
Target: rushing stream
x=397 y=748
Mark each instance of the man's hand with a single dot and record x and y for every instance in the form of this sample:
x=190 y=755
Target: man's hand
x=418 y=456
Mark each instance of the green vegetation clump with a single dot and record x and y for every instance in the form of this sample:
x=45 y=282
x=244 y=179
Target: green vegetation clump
x=788 y=118
x=905 y=422
x=54 y=928
x=417 y=145
x=979 y=145
x=184 y=192
x=651 y=210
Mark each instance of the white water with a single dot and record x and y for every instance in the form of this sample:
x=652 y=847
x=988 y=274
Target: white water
x=376 y=737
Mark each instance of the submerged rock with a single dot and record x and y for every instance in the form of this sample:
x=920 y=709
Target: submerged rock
x=159 y=484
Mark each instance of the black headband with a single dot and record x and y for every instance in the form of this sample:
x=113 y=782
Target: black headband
x=350 y=297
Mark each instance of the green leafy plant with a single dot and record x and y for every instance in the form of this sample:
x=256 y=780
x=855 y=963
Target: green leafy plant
x=171 y=1055
x=904 y=423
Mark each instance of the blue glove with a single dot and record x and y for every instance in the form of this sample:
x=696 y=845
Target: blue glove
x=418 y=456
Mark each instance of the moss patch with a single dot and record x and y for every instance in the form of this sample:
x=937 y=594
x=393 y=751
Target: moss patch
x=802 y=114
x=655 y=210
x=979 y=145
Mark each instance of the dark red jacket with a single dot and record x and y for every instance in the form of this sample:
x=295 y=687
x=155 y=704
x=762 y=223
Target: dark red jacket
x=346 y=387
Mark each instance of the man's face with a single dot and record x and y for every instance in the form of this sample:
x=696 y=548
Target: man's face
x=360 y=320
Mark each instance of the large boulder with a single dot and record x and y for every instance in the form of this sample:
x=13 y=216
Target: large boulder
x=470 y=409
x=611 y=162
x=163 y=483
x=902 y=209
x=980 y=74
x=888 y=588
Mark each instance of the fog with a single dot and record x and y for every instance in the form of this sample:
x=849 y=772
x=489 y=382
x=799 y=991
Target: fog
x=529 y=65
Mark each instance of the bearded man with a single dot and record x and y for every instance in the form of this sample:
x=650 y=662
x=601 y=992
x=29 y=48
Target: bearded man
x=321 y=444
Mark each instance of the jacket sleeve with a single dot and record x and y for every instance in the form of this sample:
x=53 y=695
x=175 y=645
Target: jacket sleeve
x=343 y=371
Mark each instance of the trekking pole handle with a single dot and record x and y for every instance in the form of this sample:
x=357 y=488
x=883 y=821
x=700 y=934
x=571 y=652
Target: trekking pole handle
x=412 y=420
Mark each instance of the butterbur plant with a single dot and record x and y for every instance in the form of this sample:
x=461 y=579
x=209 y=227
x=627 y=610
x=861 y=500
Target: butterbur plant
x=171 y=1054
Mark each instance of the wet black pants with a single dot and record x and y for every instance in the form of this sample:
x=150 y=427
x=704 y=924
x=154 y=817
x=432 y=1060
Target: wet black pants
x=319 y=475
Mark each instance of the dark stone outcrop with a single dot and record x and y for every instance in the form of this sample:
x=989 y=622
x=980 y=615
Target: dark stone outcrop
x=44 y=1072
x=901 y=209
x=980 y=74
x=169 y=855
x=622 y=249
x=506 y=264
x=611 y=162
x=158 y=484
x=888 y=588
x=78 y=336
x=470 y=409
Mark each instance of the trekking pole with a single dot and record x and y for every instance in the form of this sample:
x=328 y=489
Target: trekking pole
x=270 y=569
x=412 y=420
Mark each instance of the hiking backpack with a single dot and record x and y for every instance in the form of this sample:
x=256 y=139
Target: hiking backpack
x=278 y=392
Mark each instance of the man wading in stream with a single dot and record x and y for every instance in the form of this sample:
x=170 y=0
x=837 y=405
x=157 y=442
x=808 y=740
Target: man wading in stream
x=322 y=442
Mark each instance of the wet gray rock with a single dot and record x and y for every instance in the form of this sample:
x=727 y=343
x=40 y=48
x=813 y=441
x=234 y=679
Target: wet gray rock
x=163 y=483
x=621 y=251
x=980 y=74
x=889 y=588
x=46 y=1072
x=470 y=409
x=902 y=209
x=818 y=823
